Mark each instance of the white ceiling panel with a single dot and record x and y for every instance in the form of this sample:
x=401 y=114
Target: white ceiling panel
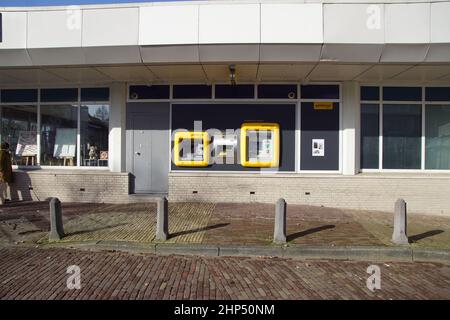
x=423 y=73
x=179 y=73
x=352 y=52
x=56 y=56
x=292 y=72
x=170 y=54
x=229 y=53
x=128 y=73
x=221 y=73
x=336 y=72
x=382 y=72
x=14 y=58
x=34 y=76
x=290 y=52
x=111 y=55
x=80 y=75
x=407 y=53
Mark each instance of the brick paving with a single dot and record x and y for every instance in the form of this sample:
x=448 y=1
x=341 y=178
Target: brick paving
x=221 y=223
x=30 y=273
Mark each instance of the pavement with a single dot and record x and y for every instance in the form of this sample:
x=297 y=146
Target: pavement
x=217 y=224
x=42 y=273
x=219 y=251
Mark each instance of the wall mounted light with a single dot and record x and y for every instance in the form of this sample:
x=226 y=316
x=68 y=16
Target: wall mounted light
x=232 y=69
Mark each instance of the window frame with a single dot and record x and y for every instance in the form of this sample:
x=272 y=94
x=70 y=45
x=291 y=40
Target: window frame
x=423 y=103
x=77 y=104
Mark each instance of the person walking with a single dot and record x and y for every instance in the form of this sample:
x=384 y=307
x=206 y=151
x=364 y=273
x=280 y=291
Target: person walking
x=6 y=175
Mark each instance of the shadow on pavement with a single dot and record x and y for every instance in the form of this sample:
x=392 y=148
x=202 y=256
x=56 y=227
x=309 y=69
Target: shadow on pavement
x=424 y=235
x=309 y=231
x=214 y=226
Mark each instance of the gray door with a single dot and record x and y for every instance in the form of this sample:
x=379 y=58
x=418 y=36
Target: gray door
x=148 y=145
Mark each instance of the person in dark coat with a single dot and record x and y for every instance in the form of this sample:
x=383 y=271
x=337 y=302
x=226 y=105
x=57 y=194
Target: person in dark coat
x=6 y=176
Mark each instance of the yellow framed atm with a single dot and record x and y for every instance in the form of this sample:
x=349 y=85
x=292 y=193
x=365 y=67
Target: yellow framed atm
x=195 y=148
x=260 y=145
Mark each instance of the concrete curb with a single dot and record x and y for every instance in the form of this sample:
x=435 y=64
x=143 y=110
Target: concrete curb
x=358 y=253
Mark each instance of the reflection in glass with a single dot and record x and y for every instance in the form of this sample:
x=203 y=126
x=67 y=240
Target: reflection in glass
x=437 y=137
x=94 y=129
x=19 y=128
x=58 y=135
x=402 y=127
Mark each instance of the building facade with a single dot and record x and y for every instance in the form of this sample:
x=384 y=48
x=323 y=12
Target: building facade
x=320 y=102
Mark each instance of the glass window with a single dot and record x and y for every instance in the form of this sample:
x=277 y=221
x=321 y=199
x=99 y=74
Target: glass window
x=370 y=93
x=370 y=131
x=94 y=130
x=402 y=93
x=241 y=91
x=402 y=128
x=437 y=137
x=19 y=95
x=194 y=91
x=95 y=94
x=437 y=94
x=59 y=135
x=277 y=91
x=59 y=95
x=19 y=128
x=149 y=92
x=314 y=91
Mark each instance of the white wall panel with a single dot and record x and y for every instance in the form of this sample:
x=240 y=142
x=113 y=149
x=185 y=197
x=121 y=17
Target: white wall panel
x=407 y=23
x=440 y=22
x=53 y=29
x=291 y=23
x=354 y=23
x=229 y=23
x=162 y=25
x=14 y=30
x=110 y=27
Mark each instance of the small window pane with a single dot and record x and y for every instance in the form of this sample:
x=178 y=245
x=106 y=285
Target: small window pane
x=95 y=94
x=58 y=135
x=437 y=137
x=437 y=94
x=320 y=92
x=21 y=95
x=149 y=92
x=370 y=131
x=402 y=93
x=402 y=127
x=192 y=92
x=19 y=128
x=94 y=129
x=370 y=93
x=277 y=91
x=241 y=91
x=59 y=95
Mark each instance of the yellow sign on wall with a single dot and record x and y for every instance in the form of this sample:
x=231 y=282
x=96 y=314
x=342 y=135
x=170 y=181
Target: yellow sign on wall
x=323 y=105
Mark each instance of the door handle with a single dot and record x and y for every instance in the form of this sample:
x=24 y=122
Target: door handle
x=138 y=153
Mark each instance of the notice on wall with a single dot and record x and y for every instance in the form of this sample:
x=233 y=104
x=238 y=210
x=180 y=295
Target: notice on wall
x=65 y=143
x=318 y=147
x=26 y=144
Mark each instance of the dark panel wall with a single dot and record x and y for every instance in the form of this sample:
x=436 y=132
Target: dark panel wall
x=319 y=124
x=232 y=116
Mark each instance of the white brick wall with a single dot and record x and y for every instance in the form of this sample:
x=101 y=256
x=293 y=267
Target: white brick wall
x=424 y=193
x=99 y=186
